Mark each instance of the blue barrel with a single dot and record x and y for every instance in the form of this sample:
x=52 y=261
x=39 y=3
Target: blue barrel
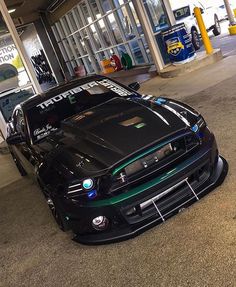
x=179 y=44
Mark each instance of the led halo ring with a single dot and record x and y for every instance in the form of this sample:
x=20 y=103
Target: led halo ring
x=100 y=223
x=88 y=183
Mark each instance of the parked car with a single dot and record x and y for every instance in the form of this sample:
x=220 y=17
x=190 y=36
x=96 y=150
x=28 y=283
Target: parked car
x=110 y=162
x=184 y=12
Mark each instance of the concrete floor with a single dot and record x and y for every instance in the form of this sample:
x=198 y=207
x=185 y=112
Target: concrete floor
x=194 y=248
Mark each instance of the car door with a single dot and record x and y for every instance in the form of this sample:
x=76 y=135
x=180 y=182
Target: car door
x=23 y=151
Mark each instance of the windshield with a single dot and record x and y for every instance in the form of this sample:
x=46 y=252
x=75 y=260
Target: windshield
x=46 y=117
x=182 y=13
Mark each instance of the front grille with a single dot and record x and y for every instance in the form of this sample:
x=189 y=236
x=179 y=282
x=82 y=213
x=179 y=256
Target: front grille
x=158 y=161
x=166 y=202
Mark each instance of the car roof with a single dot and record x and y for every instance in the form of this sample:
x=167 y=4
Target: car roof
x=38 y=98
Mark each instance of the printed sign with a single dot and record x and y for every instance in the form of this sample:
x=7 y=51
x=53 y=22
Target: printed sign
x=70 y=94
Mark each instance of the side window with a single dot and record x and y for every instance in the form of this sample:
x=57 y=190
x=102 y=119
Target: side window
x=19 y=122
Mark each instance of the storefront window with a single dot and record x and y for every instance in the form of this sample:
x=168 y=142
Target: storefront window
x=137 y=22
x=136 y=50
x=157 y=14
x=87 y=17
x=121 y=49
x=159 y=21
x=106 y=6
x=72 y=22
x=103 y=28
x=77 y=17
x=126 y=23
x=115 y=28
x=119 y=2
x=65 y=26
x=60 y=30
x=95 y=10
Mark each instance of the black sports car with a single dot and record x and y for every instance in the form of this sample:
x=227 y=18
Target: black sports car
x=112 y=163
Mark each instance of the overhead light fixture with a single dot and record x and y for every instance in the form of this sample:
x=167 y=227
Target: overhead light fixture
x=11 y=11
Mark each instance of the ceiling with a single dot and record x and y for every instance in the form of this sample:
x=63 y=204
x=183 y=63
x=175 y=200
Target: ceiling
x=27 y=11
x=26 y=8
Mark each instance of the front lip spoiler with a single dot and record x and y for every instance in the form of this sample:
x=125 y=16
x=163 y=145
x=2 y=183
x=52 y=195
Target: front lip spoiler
x=127 y=233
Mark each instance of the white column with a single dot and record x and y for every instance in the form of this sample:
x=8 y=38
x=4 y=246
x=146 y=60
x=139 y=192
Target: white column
x=153 y=46
x=21 y=50
x=230 y=13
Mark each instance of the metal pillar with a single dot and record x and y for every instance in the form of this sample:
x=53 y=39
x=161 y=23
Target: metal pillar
x=230 y=13
x=16 y=39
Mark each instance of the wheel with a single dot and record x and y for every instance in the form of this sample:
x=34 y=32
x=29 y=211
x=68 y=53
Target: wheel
x=217 y=28
x=196 y=39
x=18 y=165
x=57 y=214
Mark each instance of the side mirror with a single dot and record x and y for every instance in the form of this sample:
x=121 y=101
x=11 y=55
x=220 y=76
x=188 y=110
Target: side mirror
x=134 y=86
x=15 y=139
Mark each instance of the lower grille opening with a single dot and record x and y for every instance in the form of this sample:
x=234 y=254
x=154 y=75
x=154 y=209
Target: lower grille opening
x=169 y=201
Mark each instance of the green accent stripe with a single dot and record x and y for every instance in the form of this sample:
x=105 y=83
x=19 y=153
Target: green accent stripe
x=141 y=188
x=138 y=157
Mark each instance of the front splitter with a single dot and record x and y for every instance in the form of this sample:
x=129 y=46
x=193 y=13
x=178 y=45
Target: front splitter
x=131 y=231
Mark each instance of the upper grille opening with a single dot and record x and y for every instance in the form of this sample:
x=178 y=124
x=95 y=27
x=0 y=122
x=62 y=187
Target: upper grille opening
x=155 y=163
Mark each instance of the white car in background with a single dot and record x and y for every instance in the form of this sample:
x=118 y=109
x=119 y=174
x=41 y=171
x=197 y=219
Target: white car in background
x=184 y=13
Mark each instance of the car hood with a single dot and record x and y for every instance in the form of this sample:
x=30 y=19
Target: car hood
x=108 y=133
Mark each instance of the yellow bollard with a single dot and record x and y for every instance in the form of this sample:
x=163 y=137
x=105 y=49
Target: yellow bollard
x=235 y=13
x=202 y=28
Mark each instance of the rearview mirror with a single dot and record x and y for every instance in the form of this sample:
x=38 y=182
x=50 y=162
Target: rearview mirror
x=15 y=139
x=134 y=86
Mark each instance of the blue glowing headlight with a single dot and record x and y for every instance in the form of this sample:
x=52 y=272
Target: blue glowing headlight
x=88 y=183
x=198 y=128
x=195 y=128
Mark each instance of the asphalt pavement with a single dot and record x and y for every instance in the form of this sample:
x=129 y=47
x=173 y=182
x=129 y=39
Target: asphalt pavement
x=195 y=248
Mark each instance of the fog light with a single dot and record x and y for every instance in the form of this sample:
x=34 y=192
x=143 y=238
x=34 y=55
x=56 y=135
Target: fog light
x=100 y=223
x=131 y=211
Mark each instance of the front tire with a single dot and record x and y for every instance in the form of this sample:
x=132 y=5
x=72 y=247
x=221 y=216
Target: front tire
x=57 y=214
x=196 y=39
x=217 y=28
x=18 y=165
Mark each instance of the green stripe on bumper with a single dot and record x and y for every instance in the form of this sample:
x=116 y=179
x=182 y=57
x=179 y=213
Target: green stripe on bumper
x=137 y=190
x=139 y=156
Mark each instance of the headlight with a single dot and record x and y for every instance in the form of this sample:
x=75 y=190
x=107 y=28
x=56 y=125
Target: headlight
x=88 y=184
x=201 y=124
x=86 y=187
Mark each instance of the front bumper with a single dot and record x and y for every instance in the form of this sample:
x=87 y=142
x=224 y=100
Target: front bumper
x=150 y=202
x=181 y=199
